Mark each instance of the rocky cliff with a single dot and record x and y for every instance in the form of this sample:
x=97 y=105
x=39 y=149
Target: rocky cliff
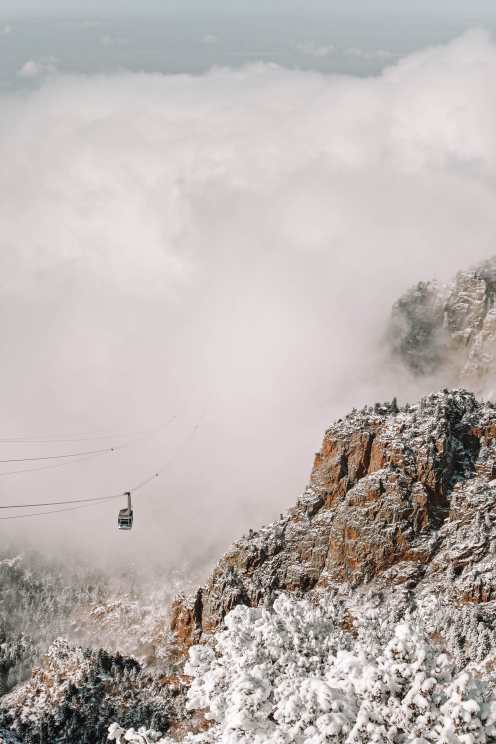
x=450 y=329
x=397 y=497
x=392 y=492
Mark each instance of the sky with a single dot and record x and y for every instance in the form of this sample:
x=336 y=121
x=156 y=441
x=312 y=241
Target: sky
x=279 y=7
x=198 y=268
x=36 y=41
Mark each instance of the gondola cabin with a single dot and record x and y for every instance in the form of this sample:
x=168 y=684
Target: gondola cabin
x=125 y=518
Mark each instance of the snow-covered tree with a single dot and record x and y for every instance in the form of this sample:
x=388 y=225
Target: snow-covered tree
x=143 y=736
x=285 y=676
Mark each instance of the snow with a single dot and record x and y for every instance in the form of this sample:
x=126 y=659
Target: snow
x=284 y=676
x=450 y=328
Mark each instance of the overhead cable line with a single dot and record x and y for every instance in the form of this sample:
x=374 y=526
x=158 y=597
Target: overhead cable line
x=96 y=499
x=106 y=450
x=87 y=454
x=55 y=440
x=52 y=466
x=87 y=502
x=58 y=503
x=53 y=511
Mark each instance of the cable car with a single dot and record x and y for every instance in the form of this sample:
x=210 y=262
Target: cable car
x=125 y=518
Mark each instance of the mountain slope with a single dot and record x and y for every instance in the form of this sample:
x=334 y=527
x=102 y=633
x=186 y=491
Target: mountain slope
x=75 y=692
x=396 y=497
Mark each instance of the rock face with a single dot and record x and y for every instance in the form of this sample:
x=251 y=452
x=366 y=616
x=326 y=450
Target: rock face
x=450 y=328
x=396 y=497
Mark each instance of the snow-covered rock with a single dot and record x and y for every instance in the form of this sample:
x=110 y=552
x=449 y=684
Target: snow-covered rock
x=41 y=600
x=450 y=330
x=75 y=693
x=399 y=500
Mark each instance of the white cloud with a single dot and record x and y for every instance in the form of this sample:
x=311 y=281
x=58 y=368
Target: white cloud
x=30 y=69
x=37 y=68
x=6 y=30
x=225 y=246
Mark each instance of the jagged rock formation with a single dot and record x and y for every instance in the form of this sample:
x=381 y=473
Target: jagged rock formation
x=396 y=498
x=450 y=328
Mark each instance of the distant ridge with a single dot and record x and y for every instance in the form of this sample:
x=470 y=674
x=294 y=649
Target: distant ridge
x=450 y=329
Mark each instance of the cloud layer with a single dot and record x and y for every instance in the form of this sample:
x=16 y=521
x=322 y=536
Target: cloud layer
x=224 y=248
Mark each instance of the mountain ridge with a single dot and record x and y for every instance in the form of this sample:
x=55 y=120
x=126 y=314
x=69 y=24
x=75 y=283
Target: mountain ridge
x=449 y=329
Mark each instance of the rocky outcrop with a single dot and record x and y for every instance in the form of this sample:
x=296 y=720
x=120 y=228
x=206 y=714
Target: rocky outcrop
x=396 y=497
x=449 y=328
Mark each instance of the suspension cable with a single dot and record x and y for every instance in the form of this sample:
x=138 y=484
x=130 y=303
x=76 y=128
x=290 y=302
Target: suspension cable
x=82 y=455
x=90 y=501
x=106 y=450
x=52 y=511
x=82 y=503
x=52 y=466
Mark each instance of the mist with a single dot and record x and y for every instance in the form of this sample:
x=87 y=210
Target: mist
x=202 y=268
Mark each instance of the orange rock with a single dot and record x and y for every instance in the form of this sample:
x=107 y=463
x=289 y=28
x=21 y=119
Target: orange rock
x=387 y=490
